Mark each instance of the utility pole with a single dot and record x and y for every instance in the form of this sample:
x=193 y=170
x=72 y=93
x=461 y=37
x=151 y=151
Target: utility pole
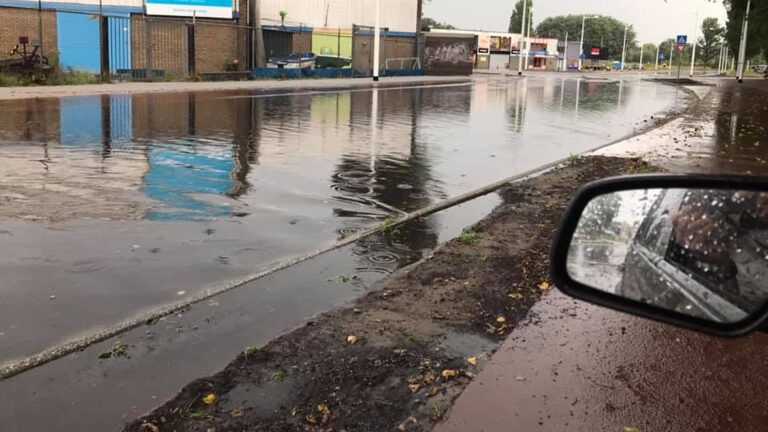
x=530 y=24
x=522 y=41
x=624 y=48
x=640 y=66
x=565 y=54
x=671 y=54
x=658 y=47
x=377 y=41
x=260 y=60
x=581 y=44
x=743 y=45
x=693 y=56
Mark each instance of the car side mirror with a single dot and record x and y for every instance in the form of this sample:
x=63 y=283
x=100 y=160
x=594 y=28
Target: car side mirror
x=688 y=250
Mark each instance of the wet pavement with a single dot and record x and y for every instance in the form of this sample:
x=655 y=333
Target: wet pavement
x=115 y=204
x=578 y=367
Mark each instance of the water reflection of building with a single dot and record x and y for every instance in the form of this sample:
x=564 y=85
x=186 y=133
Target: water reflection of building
x=392 y=170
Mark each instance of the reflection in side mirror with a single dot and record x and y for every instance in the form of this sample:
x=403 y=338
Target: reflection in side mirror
x=697 y=252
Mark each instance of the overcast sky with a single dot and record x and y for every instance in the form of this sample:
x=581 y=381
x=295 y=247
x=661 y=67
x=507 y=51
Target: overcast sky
x=653 y=20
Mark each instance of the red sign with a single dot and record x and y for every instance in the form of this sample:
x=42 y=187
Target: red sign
x=680 y=48
x=595 y=51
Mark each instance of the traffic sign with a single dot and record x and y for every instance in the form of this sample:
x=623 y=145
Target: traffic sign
x=583 y=56
x=680 y=48
x=682 y=40
x=662 y=56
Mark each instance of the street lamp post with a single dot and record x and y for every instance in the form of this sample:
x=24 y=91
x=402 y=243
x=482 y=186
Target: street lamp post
x=581 y=44
x=528 y=35
x=640 y=66
x=565 y=54
x=624 y=48
x=377 y=41
x=693 y=55
x=743 y=45
x=522 y=41
x=658 y=47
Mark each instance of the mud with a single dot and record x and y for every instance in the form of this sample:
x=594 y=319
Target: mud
x=399 y=356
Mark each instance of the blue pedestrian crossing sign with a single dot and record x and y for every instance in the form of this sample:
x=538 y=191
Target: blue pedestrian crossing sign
x=662 y=57
x=682 y=39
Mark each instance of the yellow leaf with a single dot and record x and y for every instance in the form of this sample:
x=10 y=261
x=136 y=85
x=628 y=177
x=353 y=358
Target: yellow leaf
x=351 y=339
x=211 y=398
x=449 y=373
x=323 y=408
x=181 y=293
x=545 y=286
x=501 y=320
x=472 y=361
x=516 y=296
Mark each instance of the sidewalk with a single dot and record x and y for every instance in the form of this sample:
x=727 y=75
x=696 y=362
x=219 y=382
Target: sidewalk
x=579 y=367
x=271 y=86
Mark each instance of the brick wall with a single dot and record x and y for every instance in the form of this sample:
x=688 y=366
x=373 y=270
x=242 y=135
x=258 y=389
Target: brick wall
x=168 y=45
x=218 y=45
x=15 y=22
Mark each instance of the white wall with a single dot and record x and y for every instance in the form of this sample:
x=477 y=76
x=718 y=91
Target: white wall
x=398 y=15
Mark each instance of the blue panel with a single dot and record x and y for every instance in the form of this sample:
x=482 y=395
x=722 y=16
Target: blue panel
x=121 y=120
x=78 y=41
x=75 y=7
x=119 y=44
x=80 y=120
x=276 y=73
x=176 y=174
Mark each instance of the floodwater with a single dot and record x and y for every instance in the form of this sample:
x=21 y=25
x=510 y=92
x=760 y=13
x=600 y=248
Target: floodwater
x=113 y=205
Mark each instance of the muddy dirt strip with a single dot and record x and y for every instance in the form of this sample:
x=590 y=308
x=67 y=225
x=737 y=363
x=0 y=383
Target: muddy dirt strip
x=398 y=357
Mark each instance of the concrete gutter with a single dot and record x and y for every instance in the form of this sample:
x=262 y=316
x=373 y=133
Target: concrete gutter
x=262 y=86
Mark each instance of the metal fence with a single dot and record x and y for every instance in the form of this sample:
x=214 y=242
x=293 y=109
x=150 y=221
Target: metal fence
x=138 y=47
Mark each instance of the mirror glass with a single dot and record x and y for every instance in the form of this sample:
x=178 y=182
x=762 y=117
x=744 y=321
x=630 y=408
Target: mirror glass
x=699 y=252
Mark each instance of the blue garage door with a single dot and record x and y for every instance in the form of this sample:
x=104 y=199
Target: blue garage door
x=78 y=41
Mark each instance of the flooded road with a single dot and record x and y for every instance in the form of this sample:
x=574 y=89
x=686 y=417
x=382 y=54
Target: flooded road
x=114 y=204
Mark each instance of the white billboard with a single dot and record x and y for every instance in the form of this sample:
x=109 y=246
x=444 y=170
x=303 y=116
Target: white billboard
x=187 y=8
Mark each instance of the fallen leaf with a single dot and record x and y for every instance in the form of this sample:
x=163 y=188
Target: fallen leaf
x=501 y=320
x=414 y=388
x=311 y=419
x=515 y=296
x=211 y=398
x=210 y=429
x=433 y=392
x=238 y=412
x=181 y=293
x=323 y=409
x=631 y=429
x=150 y=427
x=449 y=373
x=545 y=286
x=472 y=361
x=520 y=378
x=351 y=339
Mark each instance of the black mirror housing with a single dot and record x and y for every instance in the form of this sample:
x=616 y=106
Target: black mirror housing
x=574 y=288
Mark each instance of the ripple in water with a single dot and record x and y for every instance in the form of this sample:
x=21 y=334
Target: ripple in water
x=383 y=257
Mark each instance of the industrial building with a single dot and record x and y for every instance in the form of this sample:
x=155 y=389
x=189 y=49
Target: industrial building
x=181 y=38
x=496 y=51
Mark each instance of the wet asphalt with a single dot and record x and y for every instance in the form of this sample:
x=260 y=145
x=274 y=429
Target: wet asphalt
x=117 y=204
x=578 y=367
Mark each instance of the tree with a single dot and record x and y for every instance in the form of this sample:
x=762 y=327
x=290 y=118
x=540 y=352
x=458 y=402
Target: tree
x=429 y=23
x=516 y=20
x=710 y=40
x=602 y=31
x=599 y=215
x=757 y=37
